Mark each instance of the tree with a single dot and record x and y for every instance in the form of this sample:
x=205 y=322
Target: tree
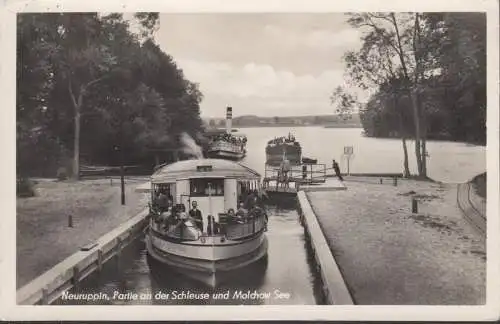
x=399 y=40
x=149 y=22
x=344 y=102
x=86 y=83
x=375 y=66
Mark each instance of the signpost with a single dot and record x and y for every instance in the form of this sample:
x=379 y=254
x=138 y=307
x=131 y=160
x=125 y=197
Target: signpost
x=348 y=153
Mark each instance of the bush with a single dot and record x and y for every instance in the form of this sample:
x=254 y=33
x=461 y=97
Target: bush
x=62 y=174
x=25 y=187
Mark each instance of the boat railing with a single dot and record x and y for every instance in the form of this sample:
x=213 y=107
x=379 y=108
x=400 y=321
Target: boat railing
x=178 y=229
x=231 y=228
x=302 y=173
x=223 y=145
x=234 y=231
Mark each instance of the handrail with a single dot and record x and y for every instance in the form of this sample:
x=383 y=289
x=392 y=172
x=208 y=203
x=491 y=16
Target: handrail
x=312 y=173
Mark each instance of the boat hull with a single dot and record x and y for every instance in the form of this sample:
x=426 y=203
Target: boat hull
x=210 y=272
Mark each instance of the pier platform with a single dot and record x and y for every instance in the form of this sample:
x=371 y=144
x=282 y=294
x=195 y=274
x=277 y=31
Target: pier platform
x=388 y=255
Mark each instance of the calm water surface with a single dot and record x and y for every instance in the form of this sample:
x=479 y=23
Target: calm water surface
x=447 y=162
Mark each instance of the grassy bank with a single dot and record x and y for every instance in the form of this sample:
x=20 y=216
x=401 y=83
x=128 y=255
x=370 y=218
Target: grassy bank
x=43 y=235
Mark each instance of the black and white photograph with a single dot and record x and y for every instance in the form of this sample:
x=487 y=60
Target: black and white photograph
x=314 y=159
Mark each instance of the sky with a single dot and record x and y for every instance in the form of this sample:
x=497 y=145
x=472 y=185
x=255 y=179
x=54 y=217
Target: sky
x=261 y=64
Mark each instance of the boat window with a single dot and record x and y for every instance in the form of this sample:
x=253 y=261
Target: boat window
x=206 y=187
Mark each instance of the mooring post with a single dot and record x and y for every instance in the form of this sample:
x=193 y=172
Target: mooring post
x=414 y=206
x=381 y=180
x=70 y=220
x=395 y=181
x=45 y=296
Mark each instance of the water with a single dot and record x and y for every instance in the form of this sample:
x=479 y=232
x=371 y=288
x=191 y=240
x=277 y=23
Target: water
x=447 y=162
x=286 y=274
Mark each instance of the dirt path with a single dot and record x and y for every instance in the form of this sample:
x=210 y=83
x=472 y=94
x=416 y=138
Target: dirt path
x=390 y=256
x=43 y=236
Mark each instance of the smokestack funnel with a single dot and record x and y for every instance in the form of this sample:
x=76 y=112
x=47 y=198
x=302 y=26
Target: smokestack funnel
x=229 y=119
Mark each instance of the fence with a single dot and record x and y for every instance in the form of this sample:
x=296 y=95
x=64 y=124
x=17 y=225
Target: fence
x=87 y=171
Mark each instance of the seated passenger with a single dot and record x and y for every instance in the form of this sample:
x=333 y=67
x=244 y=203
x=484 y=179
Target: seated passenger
x=165 y=219
x=242 y=212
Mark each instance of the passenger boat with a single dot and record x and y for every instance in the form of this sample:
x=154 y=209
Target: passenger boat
x=281 y=147
x=217 y=239
x=227 y=145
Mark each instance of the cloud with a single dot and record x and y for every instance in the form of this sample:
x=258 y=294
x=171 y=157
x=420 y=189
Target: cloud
x=261 y=88
x=319 y=39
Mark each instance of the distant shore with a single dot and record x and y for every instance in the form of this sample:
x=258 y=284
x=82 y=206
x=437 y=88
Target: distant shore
x=298 y=125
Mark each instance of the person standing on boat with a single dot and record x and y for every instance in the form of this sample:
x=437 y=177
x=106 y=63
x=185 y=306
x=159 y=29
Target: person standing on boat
x=285 y=168
x=162 y=201
x=195 y=213
x=337 y=170
x=251 y=200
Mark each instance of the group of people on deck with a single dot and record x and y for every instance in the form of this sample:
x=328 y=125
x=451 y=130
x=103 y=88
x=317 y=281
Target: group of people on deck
x=230 y=138
x=290 y=139
x=170 y=217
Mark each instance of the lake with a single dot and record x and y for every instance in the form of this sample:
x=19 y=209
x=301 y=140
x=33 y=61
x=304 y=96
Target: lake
x=447 y=162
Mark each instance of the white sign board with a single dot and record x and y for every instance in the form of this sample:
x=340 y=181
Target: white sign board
x=348 y=150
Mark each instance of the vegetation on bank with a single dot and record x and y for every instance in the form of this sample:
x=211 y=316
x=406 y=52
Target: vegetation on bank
x=479 y=184
x=428 y=71
x=92 y=92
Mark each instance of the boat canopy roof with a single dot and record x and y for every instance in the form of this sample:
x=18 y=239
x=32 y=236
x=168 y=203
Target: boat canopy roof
x=203 y=168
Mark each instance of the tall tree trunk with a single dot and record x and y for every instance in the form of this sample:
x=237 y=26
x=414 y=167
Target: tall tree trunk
x=76 y=146
x=424 y=157
x=424 y=145
x=77 y=104
x=416 y=119
x=406 y=172
x=423 y=136
x=414 y=103
x=402 y=133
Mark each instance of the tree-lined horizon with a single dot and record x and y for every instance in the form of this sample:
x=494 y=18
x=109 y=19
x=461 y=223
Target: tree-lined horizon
x=88 y=88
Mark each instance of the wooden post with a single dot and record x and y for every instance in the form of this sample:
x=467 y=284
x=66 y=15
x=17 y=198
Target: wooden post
x=70 y=220
x=381 y=180
x=395 y=181
x=45 y=296
x=414 y=206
